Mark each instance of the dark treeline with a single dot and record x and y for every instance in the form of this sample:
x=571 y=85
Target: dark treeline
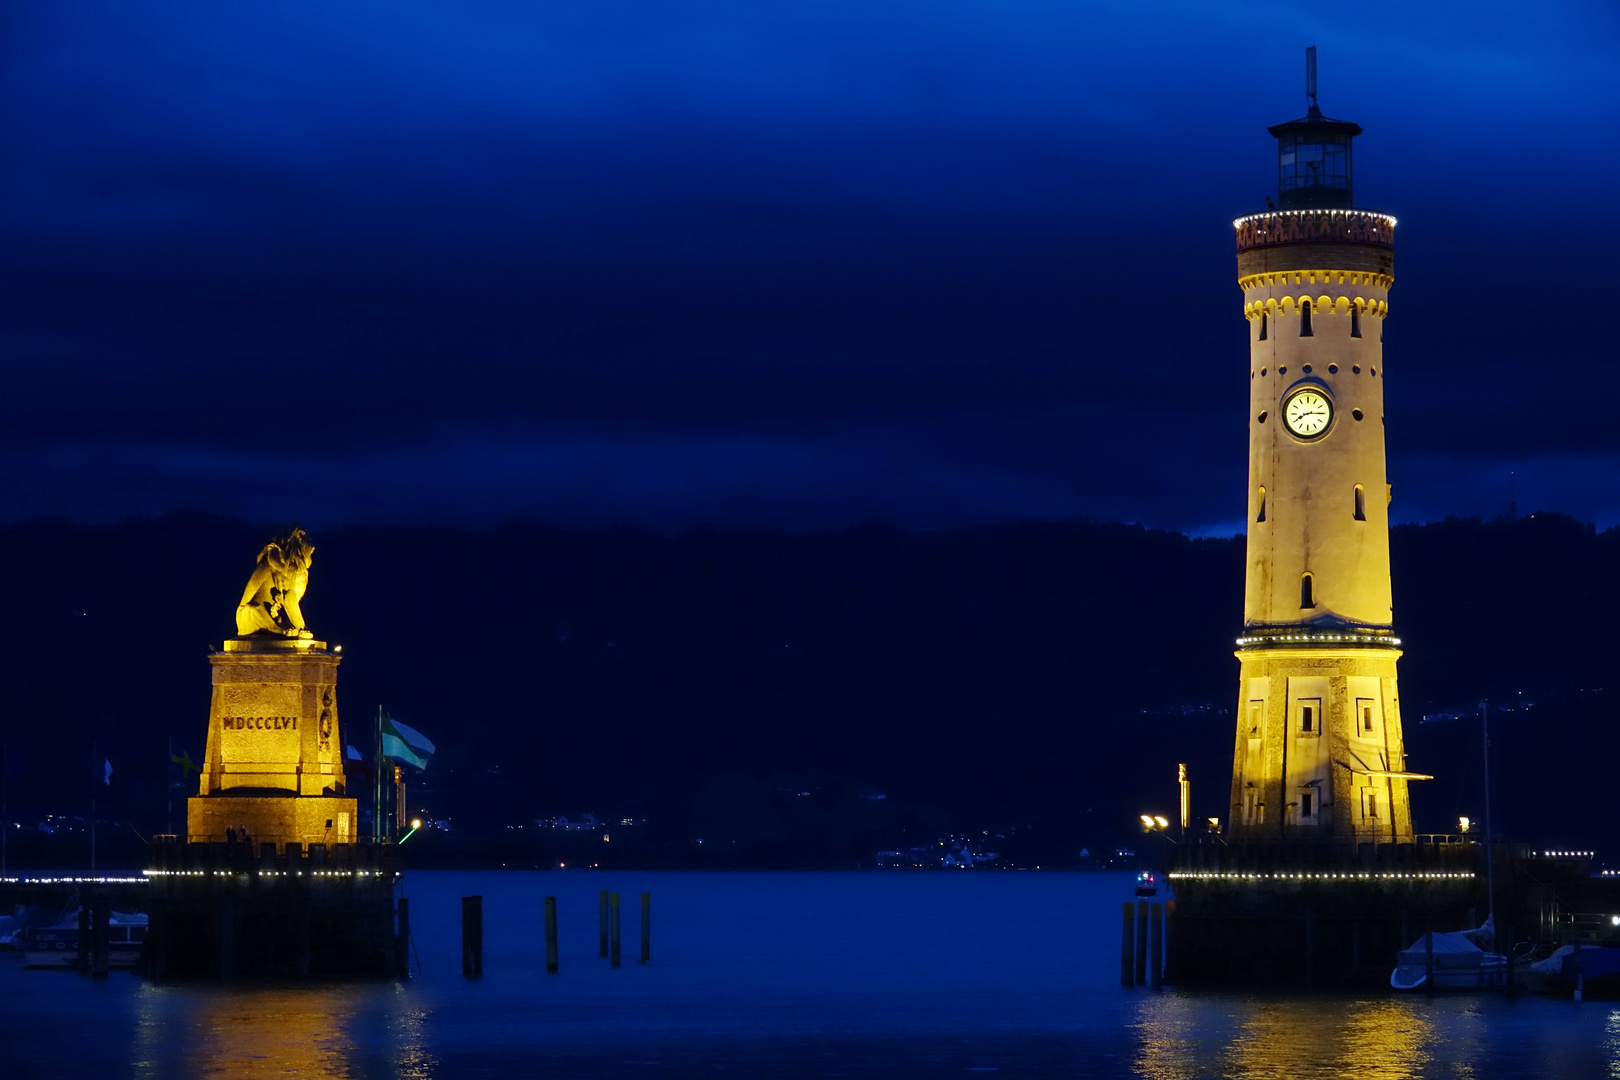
x=758 y=689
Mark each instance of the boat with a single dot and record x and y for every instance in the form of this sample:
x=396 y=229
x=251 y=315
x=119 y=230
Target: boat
x=1147 y=884
x=1466 y=959
x=58 y=945
x=1594 y=971
x=1461 y=962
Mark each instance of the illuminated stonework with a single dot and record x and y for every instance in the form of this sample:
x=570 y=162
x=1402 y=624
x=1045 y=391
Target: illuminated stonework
x=1315 y=277
x=273 y=768
x=1319 y=752
x=1273 y=306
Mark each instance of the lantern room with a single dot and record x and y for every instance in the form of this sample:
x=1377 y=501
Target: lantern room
x=1313 y=155
x=1313 y=162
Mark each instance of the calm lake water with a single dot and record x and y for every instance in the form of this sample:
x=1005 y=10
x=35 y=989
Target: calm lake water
x=781 y=975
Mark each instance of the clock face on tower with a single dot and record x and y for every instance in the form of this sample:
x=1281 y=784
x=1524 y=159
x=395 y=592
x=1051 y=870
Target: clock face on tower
x=1307 y=413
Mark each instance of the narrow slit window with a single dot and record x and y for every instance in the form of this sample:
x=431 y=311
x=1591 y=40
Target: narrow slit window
x=1307 y=807
x=1307 y=594
x=1263 y=326
x=1366 y=718
x=1260 y=515
x=1361 y=504
x=1305 y=320
x=1307 y=719
x=1355 y=322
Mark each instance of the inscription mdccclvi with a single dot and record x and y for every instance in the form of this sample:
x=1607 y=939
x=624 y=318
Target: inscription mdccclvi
x=259 y=723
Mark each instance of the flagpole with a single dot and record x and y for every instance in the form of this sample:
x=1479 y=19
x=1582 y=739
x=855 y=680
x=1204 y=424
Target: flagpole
x=5 y=793
x=376 y=782
x=94 y=766
x=168 y=788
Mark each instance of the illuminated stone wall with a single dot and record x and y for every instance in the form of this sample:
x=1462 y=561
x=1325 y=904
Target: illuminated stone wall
x=1354 y=735
x=273 y=766
x=1309 y=488
x=1319 y=752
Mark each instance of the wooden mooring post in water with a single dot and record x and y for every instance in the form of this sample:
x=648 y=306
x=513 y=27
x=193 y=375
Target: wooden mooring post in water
x=402 y=942
x=602 y=923
x=551 y=934
x=646 y=927
x=1156 y=951
x=1143 y=927
x=1141 y=941
x=1428 y=961
x=613 y=902
x=84 y=939
x=1127 y=950
x=472 y=936
x=99 y=936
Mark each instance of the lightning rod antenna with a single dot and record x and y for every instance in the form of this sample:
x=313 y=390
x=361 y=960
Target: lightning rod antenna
x=1310 y=73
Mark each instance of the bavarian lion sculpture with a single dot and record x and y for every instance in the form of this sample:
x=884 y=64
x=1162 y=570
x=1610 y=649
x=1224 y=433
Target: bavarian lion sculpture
x=270 y=601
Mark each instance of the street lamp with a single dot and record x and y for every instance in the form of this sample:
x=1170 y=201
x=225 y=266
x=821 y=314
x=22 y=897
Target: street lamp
x=1156 y=823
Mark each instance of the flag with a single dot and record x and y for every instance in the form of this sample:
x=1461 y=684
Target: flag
x=405 y=744
x=106 y=771
x=183 y=761
x=360 y=763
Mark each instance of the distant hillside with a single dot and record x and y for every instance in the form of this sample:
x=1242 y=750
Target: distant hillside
x=1043 y=675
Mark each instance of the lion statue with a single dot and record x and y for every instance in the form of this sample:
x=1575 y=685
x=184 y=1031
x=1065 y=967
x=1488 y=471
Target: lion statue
x=270 y=601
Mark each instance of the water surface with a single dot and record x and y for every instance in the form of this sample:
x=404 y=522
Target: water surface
x=781 y=975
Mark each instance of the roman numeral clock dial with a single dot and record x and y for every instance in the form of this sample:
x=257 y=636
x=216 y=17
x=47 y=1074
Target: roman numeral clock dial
x=1308 y=413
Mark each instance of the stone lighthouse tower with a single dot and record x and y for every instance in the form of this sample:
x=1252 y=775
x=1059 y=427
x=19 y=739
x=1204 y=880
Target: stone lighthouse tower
x=1318 y=753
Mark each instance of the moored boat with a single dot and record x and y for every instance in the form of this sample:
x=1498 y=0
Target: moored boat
x=1594 y=970
x=1457 y=960
x=58 y=946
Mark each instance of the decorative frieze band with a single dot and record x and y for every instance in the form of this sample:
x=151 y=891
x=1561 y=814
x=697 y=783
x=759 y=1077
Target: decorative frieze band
x=1315 y=277
x=1321 y=305
x=1274 y=227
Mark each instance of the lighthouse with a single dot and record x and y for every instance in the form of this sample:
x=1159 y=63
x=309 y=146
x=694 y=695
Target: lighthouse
x=1318 y=753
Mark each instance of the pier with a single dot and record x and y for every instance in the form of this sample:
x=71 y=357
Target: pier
x=1326 y=914
x=222 y=911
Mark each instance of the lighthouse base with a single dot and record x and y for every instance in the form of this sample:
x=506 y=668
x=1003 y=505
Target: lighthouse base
x=1337 y=914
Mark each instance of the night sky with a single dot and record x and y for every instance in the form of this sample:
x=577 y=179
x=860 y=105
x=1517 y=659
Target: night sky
x=773 y=264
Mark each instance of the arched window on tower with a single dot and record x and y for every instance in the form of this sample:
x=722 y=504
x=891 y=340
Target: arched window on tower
x=1263 y=318
x=1361 y=504
x=1307 y=594
x=1305 y=319
x=1261 y=515
x=1355 y=322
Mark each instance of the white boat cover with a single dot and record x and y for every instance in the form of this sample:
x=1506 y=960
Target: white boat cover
x=1454 y=950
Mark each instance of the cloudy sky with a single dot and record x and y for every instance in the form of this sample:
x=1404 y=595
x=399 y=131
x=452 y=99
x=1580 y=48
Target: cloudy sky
x=760 y=263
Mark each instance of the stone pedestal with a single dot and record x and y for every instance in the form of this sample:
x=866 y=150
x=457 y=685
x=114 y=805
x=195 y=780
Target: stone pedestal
x=273 y=768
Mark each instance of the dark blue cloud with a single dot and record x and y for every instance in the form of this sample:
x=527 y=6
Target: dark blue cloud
x=798 y=264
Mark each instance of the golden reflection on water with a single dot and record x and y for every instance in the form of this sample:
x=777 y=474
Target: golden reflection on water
x=1170 y=1039
x=1611 y=1041
x=328 y=1033
x=1265 y=1038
